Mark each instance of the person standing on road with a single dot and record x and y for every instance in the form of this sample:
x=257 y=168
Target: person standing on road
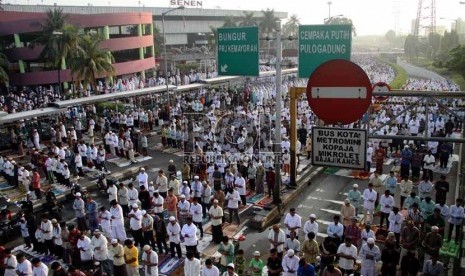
x=135 y=223
x=117 y=252
x=171 y=202
x=406 y=186
x=123 y=198
x=233 y=199
x=117 y=221
x=277 y=238
x=293 y=222
x=189 y=233
x=9 y=263
x=86 y=253
x=216 y=215
x=133 y=195
x=290 y=264
x=91 y=213
x=142 y=178
x=310 y=226
x=174 y=233
x=161 y=184
x=369 y=254
x=442 y=188
x=150 y=261
x=99 y=247
x=369 y=199
x=131 y=257
x=112 y=191
x=347 y=253
x=355 y=198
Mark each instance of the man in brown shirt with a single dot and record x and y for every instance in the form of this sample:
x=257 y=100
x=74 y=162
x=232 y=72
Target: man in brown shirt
x=171 y=202
x=410 y=238
x=432 y=243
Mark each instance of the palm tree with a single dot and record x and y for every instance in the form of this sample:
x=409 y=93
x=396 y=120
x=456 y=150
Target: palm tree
x=248 y=19
x=51 y=37
x=290 y=29
x=90 y=61
x=269 y=24
x=341 y=20
x=229 y=21
x=3 y=68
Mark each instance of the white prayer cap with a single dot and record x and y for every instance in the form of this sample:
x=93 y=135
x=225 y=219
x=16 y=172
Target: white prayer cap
x=114 y=241
x=135 y=206
x=355 y=186
x=78 y=194
x=172 y=218
x=290 y=252
x=370 y=241
x=147 y=247
x=312 y=216
x=196 y=177
x=182 y=196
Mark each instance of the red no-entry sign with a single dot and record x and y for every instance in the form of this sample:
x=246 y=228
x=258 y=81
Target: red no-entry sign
x=339 y=91
x=381 y=87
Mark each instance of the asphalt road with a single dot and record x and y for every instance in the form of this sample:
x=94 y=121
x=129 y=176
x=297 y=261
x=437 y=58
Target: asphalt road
x=417 y=72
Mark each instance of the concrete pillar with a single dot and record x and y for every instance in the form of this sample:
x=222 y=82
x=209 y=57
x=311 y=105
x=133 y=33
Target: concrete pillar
x=140 y=32
x=153 y=45
x=106 y=35
x=20 y=62
x=63 y=67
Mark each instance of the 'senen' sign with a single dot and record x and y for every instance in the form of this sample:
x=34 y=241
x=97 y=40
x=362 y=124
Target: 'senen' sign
x=187 y=3
x=339 y=147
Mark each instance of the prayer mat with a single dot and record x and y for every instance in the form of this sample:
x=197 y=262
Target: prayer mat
x=169 y=266
x=228 y=229
x=331 y=170
x=5 y=186
x=449 y=249
x=264 y=201
x=255 y=198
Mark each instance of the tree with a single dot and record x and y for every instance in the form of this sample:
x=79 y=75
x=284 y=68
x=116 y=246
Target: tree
x=90 y=61
x=411 y=47
x=448 y=42
x=52 y=36
x=390 y=37
x=157 y=40
x=434 y=43
x=341 y=20
x=290 y=29
x=229 y=21
x=3 y=68
x=456 y=62
x=269 y=23
x=248 y=19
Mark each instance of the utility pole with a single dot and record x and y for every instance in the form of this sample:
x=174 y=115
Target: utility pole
x=277 y=144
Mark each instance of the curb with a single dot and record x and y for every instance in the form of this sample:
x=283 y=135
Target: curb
x=304 y=183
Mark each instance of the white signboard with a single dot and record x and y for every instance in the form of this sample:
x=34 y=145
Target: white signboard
x=339 y=147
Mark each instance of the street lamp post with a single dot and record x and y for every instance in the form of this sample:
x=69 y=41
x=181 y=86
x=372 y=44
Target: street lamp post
x=164 y=52
x=329 y=8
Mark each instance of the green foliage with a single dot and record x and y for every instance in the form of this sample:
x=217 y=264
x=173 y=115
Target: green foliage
x=90 y=60
x=3 y=68
x=456 y=62
x=290 y=29
x=248 y=19
x=390 y=36
x=229 y=21
x=434 y=43
x=109 y=105
x=341 y=20
x=269 y=22
x=187 y=67
x=401 y=75
x=448 y=42
x=411 y=47
x=157 y=40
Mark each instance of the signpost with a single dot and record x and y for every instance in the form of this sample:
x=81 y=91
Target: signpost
x=238 y=51
x=339 y=147
x=381 y=87
x=321 y=43
x=339 y=92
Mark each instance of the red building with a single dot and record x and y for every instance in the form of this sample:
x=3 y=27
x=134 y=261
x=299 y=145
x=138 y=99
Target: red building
x=129 y=37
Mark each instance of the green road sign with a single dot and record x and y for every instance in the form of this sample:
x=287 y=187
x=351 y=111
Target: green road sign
x=321 y=43
x=238 y=51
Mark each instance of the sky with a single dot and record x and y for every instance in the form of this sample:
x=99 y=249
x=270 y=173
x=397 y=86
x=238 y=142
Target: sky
x=370 y=17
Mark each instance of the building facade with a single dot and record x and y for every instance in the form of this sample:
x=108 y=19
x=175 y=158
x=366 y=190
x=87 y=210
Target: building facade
x=128 y=32
x=129 y=37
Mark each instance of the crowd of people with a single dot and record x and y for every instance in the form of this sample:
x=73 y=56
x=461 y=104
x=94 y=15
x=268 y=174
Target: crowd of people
x=227 y=138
